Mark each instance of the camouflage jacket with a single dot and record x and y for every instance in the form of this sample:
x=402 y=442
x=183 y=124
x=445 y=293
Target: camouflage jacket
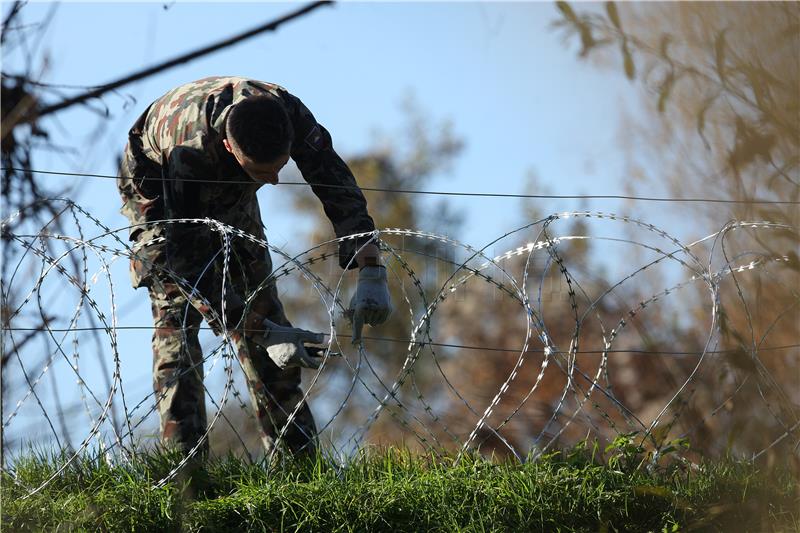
x=175 y=166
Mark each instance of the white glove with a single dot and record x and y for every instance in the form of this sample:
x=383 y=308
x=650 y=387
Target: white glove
x=284 y=345
x=371 y=302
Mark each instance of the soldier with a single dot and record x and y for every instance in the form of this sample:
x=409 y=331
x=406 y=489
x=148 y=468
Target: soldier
x=202 y=151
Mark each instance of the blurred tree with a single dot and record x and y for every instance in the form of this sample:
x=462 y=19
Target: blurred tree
x=409 y=160
x=478 y=331
x=723 y=121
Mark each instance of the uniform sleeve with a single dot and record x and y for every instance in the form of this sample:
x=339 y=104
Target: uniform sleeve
x=330 y=179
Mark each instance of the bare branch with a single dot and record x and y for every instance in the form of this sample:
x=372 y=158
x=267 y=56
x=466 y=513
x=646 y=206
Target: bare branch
x=270 y=26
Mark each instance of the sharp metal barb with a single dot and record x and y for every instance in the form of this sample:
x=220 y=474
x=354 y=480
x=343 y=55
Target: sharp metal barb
x=561 y=367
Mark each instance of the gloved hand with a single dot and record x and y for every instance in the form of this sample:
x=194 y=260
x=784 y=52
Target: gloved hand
x=284 y=345
x=371 y=302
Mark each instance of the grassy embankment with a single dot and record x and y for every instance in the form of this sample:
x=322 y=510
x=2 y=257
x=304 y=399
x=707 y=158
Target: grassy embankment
x=394 y=490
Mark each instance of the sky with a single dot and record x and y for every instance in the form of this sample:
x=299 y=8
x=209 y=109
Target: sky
x=513 y=88
x=515 y=92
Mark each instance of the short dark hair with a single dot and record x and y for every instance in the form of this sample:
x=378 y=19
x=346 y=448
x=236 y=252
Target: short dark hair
x=260 y=127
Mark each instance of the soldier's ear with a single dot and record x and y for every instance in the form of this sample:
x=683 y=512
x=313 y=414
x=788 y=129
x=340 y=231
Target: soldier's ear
x=227 y=145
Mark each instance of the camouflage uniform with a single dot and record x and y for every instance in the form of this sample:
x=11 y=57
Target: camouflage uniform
x=175 y=166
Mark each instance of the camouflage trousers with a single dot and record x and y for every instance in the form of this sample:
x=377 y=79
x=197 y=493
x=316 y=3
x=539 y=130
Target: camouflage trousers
x=178 y=372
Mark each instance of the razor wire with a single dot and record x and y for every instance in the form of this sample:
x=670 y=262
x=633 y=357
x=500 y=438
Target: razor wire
x=417 y=393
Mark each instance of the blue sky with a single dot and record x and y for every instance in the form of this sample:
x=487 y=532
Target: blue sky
x=515 y=92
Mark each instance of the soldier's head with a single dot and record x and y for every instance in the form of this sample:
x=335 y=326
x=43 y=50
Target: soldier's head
x=259 y=135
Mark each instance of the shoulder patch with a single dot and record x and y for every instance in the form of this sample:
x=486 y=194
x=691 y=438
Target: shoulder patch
x=315 y=139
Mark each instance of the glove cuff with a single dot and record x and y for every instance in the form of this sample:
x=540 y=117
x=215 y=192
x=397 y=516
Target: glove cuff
x=372 y=272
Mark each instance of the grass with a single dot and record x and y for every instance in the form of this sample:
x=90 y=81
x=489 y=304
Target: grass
x=395 y=490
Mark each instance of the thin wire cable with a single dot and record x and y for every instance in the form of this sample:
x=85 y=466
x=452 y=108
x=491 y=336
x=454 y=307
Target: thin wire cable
x=385 y=387
x=439 y=344
x=439 y=193
x=184 y=58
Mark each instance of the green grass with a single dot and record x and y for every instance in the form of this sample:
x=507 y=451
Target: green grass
x=393 y=490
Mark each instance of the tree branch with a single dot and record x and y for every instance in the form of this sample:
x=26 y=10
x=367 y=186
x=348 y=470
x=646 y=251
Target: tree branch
x=270 y=26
